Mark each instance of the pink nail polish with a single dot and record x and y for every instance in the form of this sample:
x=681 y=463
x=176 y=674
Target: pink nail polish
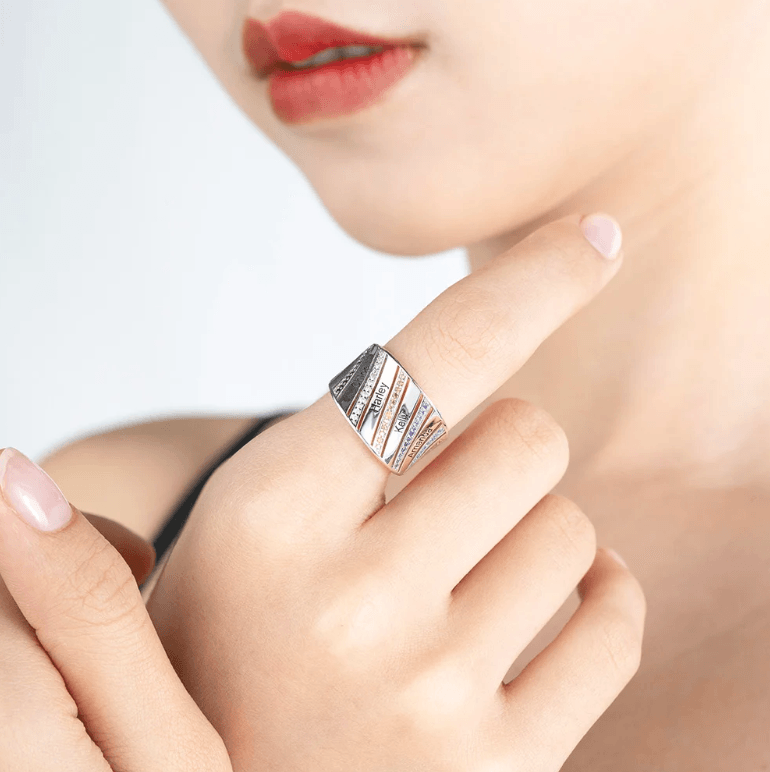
x=31 y=493
x=603 y=232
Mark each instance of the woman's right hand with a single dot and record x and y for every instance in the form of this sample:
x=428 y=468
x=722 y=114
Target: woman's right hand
x=320 y=628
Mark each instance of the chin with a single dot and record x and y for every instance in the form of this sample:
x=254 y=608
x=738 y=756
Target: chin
x=391 y=230
x=431 y=206
x=404 y=220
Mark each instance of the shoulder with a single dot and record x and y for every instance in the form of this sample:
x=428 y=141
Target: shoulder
x=136 y=473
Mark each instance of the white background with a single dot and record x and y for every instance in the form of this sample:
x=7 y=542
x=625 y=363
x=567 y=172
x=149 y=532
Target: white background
x=158 y=256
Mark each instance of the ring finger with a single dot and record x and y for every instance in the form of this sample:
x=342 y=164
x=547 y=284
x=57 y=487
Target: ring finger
x=435 y=530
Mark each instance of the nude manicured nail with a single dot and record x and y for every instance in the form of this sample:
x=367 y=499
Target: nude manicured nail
x=603 y=232
x=31 y=493
x=614 y=555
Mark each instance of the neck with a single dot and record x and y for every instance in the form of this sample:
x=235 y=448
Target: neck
x=667 y=371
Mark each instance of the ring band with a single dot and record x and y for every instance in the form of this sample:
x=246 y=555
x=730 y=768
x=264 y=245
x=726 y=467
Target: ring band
x=388 y=410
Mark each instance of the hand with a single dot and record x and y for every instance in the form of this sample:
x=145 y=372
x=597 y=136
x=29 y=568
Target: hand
x=85 y=685
x=320 y=628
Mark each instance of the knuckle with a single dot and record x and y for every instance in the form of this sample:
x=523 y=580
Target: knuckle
x=466 y=330
x=437 y=699
x=248 y=494
x=505 y=759
x=21 y=734
x=38 y=741
x=199 y=748
x=577 y=532
x=534 y=428
x=355 y=623
x=100 y=589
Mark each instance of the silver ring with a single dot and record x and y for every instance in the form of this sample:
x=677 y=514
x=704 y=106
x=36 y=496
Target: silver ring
x=388 y=410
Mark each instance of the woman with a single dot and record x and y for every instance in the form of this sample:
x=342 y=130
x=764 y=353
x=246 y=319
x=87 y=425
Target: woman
x=320 y=612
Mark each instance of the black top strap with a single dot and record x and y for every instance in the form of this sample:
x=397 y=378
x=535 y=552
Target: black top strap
x=179 y=515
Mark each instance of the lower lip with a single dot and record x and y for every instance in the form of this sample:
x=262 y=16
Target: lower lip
x=338 y=88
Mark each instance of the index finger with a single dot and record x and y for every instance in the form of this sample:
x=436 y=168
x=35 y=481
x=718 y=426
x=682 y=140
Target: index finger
x=476 y=334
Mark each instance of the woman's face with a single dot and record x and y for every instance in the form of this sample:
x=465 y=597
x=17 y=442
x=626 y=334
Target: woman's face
x=513 y=106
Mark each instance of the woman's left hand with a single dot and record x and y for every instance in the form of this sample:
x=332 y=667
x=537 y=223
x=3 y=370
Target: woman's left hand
x=85 y=683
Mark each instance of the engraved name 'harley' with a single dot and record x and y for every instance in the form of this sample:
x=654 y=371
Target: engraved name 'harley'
x=377 y=400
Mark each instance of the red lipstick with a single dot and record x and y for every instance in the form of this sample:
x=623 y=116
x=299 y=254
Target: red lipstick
x=333 y=88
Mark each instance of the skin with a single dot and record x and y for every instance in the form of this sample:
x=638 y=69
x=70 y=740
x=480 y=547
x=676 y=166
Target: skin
x=661 y=382
x=657 y=113
x=86 y=683
x=312 y=623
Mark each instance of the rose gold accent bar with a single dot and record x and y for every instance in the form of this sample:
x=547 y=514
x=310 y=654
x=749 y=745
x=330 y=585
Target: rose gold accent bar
x=386 y=402
x=382 y=432
x=411 y=400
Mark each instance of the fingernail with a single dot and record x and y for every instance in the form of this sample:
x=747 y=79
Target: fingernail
x=603 y=232
x=614 y=555
x=32 y=494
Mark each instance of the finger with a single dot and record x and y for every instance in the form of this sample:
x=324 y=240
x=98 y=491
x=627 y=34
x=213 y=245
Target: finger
x=564 y=690
x=40 y=728
x=507 y=599
x=440 y=525
x=473 y=337
x=138 y=553
x=84 y=604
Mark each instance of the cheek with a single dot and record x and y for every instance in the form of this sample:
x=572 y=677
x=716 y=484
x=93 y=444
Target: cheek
x=564 y=78
x=591 y=72
x=210 y=25
x=516 y=108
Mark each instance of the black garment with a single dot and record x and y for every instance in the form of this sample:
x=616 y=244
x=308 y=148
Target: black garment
x=179 y=515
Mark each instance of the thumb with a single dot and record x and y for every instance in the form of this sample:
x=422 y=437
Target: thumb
x=138 y=553
x=81 y=599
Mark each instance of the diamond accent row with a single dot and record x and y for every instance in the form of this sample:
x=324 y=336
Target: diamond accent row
x=416 y=423
x=344 y=382
x=440 y=432
x=367 y=388
x=390 y=410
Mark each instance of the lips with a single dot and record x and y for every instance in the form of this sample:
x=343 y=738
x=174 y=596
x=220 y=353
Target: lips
x=294 y=36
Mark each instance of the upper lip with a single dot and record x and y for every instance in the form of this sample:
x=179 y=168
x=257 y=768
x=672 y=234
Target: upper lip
x=293 y=36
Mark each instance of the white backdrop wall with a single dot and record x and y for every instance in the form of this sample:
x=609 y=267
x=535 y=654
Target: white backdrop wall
x=158 y=256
